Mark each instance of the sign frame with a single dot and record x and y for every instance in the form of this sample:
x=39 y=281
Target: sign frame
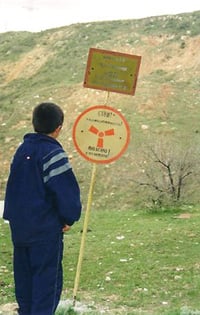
x=112 y=71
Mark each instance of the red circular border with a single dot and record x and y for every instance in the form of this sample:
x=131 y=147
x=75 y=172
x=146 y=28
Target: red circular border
x=113 y=110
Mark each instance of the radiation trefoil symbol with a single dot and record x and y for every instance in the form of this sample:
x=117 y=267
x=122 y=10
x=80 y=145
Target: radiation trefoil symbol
x=101 y=135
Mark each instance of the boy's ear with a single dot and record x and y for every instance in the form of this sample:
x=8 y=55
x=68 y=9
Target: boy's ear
x=56 y=132
x=58 y=129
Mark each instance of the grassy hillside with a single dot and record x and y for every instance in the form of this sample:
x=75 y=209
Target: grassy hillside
x=164 y=113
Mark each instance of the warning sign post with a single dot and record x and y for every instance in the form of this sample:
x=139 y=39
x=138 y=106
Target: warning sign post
x=101 y=134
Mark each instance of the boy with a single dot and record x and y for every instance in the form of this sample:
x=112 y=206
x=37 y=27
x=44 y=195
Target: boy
x=42 y=201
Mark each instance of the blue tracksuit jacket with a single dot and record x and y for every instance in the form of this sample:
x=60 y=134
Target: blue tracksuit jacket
x=42 y=193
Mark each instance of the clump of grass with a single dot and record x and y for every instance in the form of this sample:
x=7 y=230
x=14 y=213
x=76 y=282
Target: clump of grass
x=66 y=307
x=68 y=311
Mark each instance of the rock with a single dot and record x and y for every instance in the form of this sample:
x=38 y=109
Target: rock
x=9 y=309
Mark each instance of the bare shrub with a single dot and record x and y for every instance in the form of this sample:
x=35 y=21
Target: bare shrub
x=168 y=173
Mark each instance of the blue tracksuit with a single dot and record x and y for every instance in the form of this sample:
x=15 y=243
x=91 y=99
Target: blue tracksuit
x=42 y=195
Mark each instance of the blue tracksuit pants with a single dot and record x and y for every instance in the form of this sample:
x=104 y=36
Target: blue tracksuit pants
x=38 y=277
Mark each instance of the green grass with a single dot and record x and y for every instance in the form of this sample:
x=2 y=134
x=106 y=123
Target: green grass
x=13 y=44
x=134 y=262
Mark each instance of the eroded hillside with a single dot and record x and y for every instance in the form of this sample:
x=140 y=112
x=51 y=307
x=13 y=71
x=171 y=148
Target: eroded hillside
x=50 y=65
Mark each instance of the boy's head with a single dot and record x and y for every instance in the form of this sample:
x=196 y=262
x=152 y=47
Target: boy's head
x=47 y=117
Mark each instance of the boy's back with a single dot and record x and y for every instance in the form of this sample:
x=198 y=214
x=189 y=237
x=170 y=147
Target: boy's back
x=40 y=170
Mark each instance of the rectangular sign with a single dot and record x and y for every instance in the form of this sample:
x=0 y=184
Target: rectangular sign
x=112 y=71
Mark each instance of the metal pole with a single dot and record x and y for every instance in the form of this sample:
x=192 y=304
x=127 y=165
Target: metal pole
x=85 y=225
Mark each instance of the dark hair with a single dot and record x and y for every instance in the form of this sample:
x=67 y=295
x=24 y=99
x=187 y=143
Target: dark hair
x=47 y=117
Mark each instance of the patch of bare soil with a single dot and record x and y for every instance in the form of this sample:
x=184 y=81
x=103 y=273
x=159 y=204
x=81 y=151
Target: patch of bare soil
x=27 y=66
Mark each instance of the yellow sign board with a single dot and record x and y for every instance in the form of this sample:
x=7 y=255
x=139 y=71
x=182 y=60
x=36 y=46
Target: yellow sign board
x=101 y=134
x=112 y=71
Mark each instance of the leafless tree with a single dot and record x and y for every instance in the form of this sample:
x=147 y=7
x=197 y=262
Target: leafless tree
x=167 y=171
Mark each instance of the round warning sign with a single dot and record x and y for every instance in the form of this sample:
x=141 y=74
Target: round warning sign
x=101 y=134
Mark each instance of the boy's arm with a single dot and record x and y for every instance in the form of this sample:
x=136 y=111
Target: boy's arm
x=63 y=188
x=66 y=197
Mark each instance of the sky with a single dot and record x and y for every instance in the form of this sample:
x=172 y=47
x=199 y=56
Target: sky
x=37 y=15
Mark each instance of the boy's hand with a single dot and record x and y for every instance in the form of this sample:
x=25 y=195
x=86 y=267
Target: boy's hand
x=66 y=228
